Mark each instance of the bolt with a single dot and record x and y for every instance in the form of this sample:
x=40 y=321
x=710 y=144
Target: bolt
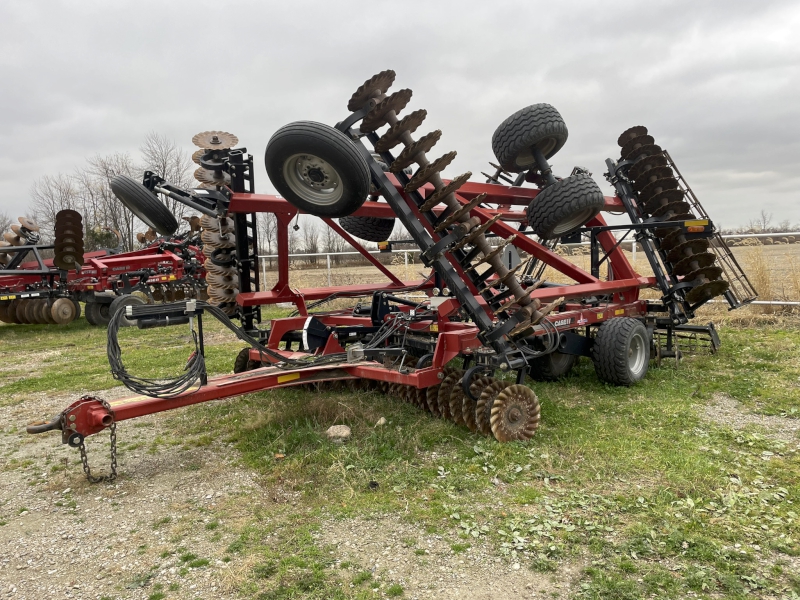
x=72 y=417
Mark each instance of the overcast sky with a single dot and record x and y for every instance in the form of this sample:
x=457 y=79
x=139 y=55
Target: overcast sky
x=717 y=83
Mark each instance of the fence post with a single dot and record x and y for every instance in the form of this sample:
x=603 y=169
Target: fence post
x=635 y=243
x=328 y=256
x=406 y=257
x=264 y=273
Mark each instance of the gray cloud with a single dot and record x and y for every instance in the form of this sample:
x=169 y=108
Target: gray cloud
x=717 y=83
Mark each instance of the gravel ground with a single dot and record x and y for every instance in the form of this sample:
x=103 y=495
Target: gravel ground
x=427 y=566
x=65 y=538
x=724 y=410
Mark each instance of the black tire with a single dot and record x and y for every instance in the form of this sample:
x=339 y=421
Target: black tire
x=553 y=366
x=304 y=156
x=565 y=206
x=371 y=229
x=241 y=361
x=538 y=125
x=144 y=204
x=119 y=303
x=621 y=351
x=92 y=313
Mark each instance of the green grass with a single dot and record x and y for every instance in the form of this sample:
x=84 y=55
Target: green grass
x=651 y=499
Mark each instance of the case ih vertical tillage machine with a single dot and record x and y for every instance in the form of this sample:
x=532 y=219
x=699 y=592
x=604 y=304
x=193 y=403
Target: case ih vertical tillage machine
x=464 y=352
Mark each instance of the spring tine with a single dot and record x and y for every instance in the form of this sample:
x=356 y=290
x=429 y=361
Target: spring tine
x=422 y=176
x=409 y=153
x=439 y=195
x=464 y=210
x=409 y=124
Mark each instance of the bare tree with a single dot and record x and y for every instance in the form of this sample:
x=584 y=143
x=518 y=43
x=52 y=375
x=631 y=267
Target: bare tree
x=5 y=221
x=166 y=159
x=50 y=194
x=310 y=236
x=114 y=214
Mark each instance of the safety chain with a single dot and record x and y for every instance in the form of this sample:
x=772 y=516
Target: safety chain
x=82 y=447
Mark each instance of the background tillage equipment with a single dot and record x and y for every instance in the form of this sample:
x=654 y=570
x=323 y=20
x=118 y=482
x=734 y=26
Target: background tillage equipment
x=462 y=352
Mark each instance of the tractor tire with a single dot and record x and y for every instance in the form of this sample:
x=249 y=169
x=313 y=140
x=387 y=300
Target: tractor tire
x=538 y=125
x=144 y=204
x=92 y=313
x=565 y=206
x=119 y=303
x=621 y=351
x=371 y=229
x=317 y=169
x=553 y=366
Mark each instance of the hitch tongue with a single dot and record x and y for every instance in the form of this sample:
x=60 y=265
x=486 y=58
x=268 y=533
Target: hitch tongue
x=43 y=426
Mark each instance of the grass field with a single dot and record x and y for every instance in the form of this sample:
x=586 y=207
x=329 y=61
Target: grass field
x=686 y=485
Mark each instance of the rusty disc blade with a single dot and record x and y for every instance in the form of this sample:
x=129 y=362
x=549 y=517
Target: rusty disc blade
x=432 y=400
x=20 y=311
x=220 y=178
x=456 y=400
x=68 y=215
x=28 y=224
x=409 y=124
x=215 y=140
x=648 y=150
x=217 y=240
x=424 y=174
x=653 y=188
x=4 y=318
x=688 y=248
x=648 y=162
x=692 y=263
x=711 y=273
x=706 y=291
x=13 y=239
x=378 y=116
x=515 y=414
x=663 y=232
x=443 y=398
x=638 y=142
x=371 y=88
x=673 y=239
x=221 y=224
x=409 y=154
x=30 y=312
x=483 y=409
x=678 y=207
x=651 y=175
x=223 y=281
x=631 y=133
x=222 y=295
x=197 y=154
x=63 y=311
x=210 y=267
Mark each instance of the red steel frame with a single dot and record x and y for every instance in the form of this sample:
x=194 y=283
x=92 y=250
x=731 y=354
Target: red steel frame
x=87 y=417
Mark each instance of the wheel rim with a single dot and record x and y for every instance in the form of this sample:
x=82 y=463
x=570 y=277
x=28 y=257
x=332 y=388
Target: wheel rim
x=313 y=179
x=525 y=158
x=577 y=220
x=637 y=354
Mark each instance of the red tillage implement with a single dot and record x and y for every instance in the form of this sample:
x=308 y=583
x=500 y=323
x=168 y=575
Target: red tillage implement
x=487 y=320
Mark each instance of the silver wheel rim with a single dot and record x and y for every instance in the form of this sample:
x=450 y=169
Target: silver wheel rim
x=313 y=179
x=637 y=354
x=577 y=220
